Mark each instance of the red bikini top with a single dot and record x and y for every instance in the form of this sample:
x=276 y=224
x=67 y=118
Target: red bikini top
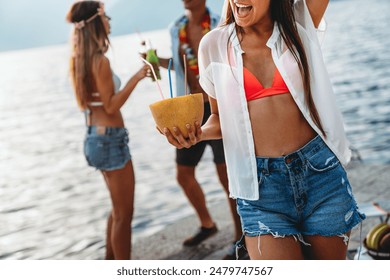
x=255 y=90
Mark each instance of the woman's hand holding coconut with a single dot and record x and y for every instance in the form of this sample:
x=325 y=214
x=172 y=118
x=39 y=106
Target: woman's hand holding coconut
x=177 y=139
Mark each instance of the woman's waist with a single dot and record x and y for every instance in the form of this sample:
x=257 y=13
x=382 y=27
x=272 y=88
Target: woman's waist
x=311 y=148
x=277 y=138
x=98 y=117
x=105 y=130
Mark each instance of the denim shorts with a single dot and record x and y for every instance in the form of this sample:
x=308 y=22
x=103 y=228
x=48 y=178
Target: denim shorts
x=106 y=148
x=304 y=193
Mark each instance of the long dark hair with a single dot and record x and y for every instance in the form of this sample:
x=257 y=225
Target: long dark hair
x=90 y=41
x=283 y=14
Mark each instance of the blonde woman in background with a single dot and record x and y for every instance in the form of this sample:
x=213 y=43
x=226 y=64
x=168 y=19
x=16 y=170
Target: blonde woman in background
x=98 y=94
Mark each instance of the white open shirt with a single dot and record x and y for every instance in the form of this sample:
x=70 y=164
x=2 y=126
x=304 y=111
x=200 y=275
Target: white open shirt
x=221 y=77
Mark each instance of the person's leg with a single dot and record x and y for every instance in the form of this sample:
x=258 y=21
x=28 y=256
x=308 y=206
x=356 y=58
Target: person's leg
x=267 y=247
x=330 y=206
x=222 y=174
x=326 y=247
x=193 y=191
x=219 y=160
x=121 y=186
x=109 y=251
x=186 y=161
x=231 y=254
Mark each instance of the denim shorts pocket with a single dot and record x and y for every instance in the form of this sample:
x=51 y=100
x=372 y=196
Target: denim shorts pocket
x=322 y=161
x=96 y=151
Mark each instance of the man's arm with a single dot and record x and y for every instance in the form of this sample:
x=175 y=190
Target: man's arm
x=164 y=62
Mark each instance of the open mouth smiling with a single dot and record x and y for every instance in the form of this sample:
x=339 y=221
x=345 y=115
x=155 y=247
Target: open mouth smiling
x=242 y=9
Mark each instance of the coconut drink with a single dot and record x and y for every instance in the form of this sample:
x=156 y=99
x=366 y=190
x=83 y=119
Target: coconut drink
x=178 y=112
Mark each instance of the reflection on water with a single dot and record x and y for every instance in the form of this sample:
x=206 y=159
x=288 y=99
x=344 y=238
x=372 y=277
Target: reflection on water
x=53 y=206
x=356 y=52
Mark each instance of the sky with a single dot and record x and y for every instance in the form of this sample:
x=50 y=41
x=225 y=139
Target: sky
x=35 y=23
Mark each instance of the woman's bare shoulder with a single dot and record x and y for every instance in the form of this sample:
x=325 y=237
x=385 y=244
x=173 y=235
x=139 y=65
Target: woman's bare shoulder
x=101 y=64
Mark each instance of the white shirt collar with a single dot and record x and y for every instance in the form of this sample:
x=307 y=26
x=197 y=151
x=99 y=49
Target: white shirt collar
x=236 y=43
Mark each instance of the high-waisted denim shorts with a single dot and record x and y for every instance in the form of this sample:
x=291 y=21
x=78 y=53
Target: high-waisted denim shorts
x=304 y=193
x=106 y=148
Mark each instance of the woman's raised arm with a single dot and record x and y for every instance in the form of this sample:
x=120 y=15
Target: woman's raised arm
x=113 y=102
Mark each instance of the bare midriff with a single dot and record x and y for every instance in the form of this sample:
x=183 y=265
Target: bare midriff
x=278 y=126
x=99 y=117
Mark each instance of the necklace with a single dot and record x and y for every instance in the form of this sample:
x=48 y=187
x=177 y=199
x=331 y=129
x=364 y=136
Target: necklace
x=191 y=57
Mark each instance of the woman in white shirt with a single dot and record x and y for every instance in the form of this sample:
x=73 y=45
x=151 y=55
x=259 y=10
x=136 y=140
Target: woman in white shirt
x=273 y=105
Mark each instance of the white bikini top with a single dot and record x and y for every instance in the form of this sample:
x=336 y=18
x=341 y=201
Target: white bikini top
x=117 y=85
